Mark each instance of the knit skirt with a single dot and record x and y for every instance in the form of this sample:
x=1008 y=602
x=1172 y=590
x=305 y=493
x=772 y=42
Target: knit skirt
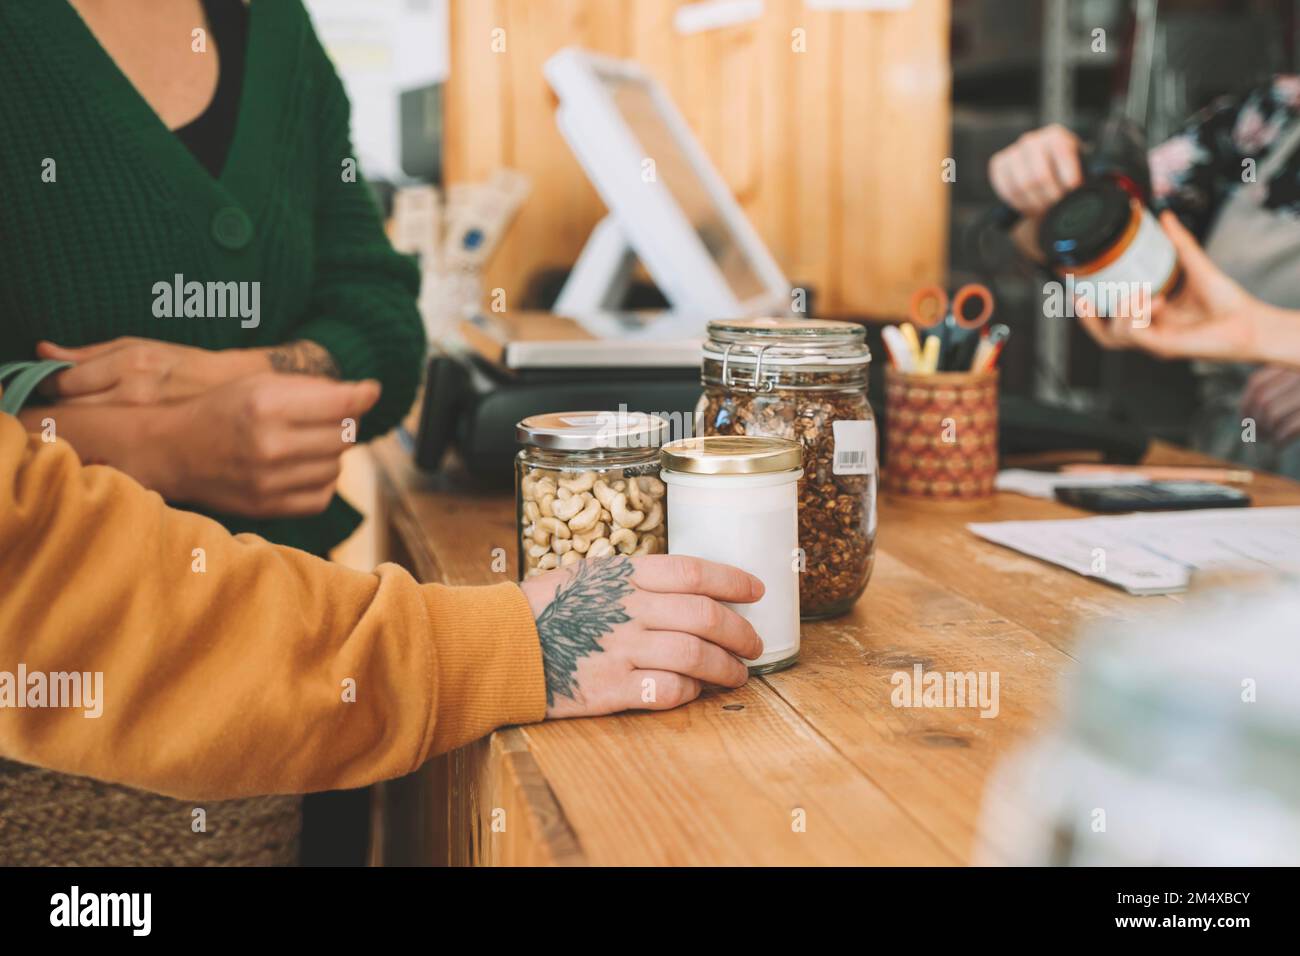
x=52 y=819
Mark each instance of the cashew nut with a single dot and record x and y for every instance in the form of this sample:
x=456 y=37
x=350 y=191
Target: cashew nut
x=652 y=520
x=549 y=562
x=649 y=545
x=625 y=518
x=564 y=510
x=651 y=486
x=561 y=545
x=570 y=557
x=531 y=511
x=604 y=493
x=537 y=550
x=547 y=505
x=582 y=482
x=564 y=493
x=634 y=493
x=554 y=526
x=545 y=487
x=581 y=542
x=624 y=539
x=587 y=518
x=599 y=548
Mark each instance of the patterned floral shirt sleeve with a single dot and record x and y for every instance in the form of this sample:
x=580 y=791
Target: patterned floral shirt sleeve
x=1193 y=171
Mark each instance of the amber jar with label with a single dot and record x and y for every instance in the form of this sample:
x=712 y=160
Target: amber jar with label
x=1109 y=250
x=805 y=380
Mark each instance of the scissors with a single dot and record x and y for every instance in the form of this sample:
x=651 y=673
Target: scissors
x=954 y=328
x=929 y=306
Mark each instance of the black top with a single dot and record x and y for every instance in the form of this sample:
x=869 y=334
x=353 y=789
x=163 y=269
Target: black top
x=209 y=135
x=1085 y=223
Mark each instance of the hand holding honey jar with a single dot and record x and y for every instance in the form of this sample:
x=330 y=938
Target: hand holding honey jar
x=1088 y=222
x=1212 y=317
x=1099 y=232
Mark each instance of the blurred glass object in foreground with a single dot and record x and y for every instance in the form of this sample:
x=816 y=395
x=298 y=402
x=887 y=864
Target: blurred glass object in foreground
x=1179 y=744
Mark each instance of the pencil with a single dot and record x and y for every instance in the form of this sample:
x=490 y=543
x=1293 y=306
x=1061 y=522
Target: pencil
x=1232 y=476
x=930 y=355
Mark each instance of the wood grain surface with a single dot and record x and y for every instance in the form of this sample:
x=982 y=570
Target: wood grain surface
x=830 y=128
x=813 y=765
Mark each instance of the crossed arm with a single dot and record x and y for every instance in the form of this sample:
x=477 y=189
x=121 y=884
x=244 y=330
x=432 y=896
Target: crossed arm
x=233 y=430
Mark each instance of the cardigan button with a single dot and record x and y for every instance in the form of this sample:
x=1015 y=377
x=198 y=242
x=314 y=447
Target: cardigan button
x=231 y=228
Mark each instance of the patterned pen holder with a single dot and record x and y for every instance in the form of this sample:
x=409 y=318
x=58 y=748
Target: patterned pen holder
x=941 y=437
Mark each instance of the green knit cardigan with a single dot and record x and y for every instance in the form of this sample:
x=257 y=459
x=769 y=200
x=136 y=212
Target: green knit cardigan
x=99 y=202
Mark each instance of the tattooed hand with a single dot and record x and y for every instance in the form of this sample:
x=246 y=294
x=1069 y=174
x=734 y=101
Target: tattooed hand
x=646 y=633
x=303 y=358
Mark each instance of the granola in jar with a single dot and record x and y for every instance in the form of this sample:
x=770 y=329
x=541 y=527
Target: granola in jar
x=806 y=380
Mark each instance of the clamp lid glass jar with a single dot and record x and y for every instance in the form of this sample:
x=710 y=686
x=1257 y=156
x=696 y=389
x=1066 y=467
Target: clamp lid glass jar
x=805 y=380
x=587 y=485
x=761 y=354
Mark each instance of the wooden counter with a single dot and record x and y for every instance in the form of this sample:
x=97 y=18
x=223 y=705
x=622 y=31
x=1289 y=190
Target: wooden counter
x=813 y=765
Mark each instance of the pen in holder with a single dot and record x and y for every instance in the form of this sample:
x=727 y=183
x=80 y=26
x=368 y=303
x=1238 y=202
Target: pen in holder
x=941 y=436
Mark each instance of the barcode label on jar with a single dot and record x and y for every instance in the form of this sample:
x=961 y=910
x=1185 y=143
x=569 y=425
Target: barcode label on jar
x=855 y=448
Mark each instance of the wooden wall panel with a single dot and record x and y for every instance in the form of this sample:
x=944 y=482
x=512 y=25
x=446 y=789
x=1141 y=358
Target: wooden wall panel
x=833 y=152
x=810 y=148
x=866 y=173
x=477 y=143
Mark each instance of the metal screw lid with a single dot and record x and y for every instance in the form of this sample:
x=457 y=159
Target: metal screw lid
x=592 y=431
x=731 y=455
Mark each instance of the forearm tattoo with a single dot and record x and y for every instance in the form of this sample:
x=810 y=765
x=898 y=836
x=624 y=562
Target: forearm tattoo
x=303 y=358
x=585 y=609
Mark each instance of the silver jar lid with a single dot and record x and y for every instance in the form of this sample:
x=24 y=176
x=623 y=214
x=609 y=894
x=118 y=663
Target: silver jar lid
x=762 y=348
x=592 y=431
x=787 y=342
x=791 y=339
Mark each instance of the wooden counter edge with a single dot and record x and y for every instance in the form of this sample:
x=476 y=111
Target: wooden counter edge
x=465 y=779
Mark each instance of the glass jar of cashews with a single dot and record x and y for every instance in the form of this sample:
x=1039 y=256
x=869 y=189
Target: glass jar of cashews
x=587 y=485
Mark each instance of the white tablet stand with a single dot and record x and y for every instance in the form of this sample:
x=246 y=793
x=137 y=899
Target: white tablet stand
x=667 y=204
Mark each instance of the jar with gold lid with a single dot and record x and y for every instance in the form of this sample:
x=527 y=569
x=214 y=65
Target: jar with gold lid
x=734 y=500
x=805 y=380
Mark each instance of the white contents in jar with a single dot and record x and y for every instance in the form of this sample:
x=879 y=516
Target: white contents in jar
x=750 y=522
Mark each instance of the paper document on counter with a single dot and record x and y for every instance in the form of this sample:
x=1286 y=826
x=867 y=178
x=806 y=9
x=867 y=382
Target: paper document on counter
x=1157 y=553
x=1043 y=484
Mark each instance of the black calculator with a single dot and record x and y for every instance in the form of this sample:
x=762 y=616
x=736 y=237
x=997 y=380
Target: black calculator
x=1152 y=496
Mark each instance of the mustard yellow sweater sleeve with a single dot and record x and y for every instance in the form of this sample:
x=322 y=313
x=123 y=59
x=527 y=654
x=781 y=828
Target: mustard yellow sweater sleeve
x=230 y=666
